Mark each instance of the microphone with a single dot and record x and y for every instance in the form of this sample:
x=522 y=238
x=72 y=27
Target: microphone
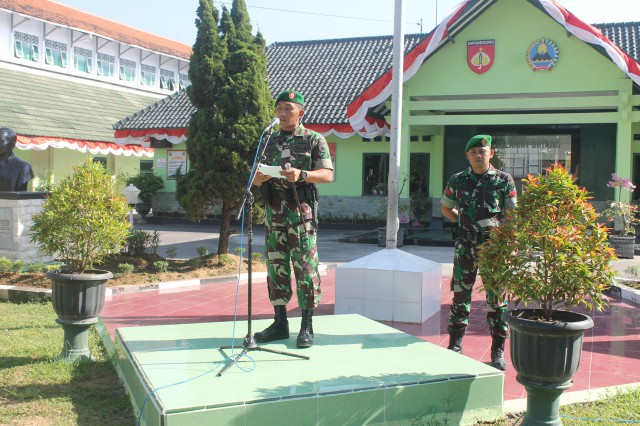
x=271 y=125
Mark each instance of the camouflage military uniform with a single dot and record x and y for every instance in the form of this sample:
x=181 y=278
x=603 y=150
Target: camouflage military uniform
x=481 y=201
x=290 y=234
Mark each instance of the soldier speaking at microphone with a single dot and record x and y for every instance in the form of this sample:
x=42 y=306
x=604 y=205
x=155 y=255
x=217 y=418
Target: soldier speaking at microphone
x=476 y=200
x=291 y=223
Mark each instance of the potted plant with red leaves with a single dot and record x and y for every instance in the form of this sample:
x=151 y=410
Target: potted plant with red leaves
x=551 y=255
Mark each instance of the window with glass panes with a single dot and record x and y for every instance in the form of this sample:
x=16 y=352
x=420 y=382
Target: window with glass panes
x=167 y=79
x=26 y=46
x=521 y=155
x=183 y=81
x=419 y=174
x=83 y=60
x=106 y=65
x=147 y=75
x=375 y=173
x=146 y=166
x=127 y=70
x=55 y=53
x=101 y=160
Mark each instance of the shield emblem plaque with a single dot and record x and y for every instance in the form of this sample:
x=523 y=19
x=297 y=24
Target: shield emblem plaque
x=481 y=55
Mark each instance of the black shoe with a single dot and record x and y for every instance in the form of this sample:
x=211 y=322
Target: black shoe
x=278 y=330
x=305 y=337
x=497 y=353
x=455 y=341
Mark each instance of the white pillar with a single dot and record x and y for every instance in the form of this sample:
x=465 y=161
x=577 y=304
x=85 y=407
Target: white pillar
x=396 y=125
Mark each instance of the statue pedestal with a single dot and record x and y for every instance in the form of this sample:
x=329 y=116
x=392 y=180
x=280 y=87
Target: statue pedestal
x=16 y=211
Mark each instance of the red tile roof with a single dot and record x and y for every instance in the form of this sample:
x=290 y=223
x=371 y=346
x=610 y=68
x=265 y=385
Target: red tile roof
x=67 y=16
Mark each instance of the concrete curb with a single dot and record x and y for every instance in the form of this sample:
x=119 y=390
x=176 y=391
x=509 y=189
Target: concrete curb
x=27 y=294
x=14 y=293
x=623 y=291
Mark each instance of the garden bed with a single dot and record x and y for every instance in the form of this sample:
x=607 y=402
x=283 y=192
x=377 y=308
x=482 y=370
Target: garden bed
x=147 y=268
x=626 y=288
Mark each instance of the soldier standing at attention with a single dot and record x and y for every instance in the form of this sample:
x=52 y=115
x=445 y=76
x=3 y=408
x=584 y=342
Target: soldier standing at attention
x=476 y=200
x=291 y=223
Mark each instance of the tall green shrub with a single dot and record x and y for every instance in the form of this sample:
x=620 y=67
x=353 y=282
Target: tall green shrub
x=228 y=72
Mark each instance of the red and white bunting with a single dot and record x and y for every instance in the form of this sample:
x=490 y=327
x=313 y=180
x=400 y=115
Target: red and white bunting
x=380 y=90
x=592 y=35
x=143 y=137
x=41 y=143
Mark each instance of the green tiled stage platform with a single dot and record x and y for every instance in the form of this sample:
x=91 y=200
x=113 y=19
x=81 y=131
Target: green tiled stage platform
x=360 y=372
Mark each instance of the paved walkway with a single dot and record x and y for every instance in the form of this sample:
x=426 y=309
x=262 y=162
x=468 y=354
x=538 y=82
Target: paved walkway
x=187 y=237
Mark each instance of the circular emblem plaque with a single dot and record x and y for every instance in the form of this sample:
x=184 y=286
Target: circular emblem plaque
x=543 y=54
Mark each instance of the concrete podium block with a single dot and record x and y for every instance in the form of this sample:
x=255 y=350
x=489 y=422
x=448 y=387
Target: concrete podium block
x=389 y=285
x=353 y=306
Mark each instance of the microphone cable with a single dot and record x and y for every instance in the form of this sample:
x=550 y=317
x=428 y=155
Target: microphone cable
x=235 y=310
x=256 y=162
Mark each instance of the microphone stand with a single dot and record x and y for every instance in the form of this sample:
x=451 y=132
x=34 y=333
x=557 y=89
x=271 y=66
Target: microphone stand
x=249 y=343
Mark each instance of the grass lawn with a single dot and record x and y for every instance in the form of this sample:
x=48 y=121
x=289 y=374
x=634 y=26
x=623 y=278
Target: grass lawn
x=35 y=389
x=622 y=407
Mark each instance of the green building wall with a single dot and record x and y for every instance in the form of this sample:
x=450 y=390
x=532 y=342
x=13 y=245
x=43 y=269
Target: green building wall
x=449 y=84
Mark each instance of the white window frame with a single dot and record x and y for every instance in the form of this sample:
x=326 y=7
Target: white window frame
x=84 y=57
x=55 y=50
x=147 y=75
x=167 y=80
x=103 y=59
x=22 y=41
x=183 y=81
x=127 y=69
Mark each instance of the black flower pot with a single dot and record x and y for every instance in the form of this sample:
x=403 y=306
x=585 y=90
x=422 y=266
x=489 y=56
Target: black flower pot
x=78 y=300
x=546 y=355
x=624 y=245
x=143 y=208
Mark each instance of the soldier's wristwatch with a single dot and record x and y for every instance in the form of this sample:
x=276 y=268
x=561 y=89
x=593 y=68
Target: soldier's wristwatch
x=303 y=176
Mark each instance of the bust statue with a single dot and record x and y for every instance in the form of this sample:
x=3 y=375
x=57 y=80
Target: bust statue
x=15 y=173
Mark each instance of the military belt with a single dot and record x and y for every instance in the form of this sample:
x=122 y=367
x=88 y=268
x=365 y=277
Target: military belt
x=305 y=194
x=476 y=237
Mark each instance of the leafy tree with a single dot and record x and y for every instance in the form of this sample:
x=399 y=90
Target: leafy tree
x=228 y=74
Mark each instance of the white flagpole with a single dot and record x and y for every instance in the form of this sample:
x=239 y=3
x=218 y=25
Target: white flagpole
x=396 y=125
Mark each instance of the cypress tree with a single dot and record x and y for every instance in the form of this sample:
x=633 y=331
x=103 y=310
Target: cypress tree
x=228 y=74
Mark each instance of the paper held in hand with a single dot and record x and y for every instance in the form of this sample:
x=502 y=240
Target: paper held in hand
x=273 y=171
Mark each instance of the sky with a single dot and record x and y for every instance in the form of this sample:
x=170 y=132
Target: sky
x=280 y=21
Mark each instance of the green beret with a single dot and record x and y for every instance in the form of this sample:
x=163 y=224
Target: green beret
x=478 y=140
x=291 y=96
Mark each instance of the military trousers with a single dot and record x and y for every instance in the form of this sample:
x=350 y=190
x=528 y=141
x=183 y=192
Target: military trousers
x=290 y=240
x=465 y=271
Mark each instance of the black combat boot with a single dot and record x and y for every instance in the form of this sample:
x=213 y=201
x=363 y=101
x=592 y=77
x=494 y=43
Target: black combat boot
x=455 y=340
x=497 y=352
x=305 y=338
x=279 y=329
